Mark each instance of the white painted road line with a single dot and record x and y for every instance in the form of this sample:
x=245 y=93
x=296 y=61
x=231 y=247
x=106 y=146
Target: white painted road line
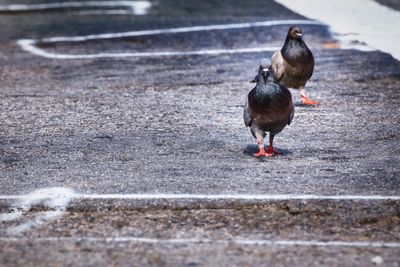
x=103 y=12
x=265 y=197
x=236 y=197
x=180 y=30
x=312 y=243
x=56 y=198
x=30 y=45
x=39 y=219
x=137 y=7
x=248 y=242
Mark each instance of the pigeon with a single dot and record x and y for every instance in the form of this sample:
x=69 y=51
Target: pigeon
x=268 y=108
x=293 y=65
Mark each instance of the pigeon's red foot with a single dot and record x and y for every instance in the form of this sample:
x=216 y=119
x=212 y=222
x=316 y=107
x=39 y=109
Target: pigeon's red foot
x=272 y=151
x=262 y=153
x=308 y=101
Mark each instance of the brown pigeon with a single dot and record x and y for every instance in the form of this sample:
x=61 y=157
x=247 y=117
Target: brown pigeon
x=293 y=65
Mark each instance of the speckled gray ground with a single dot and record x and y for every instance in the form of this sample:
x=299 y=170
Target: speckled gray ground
x=174 y=125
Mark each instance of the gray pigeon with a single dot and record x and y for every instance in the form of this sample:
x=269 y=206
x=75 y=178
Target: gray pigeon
x=268 y=108
x=293 y=65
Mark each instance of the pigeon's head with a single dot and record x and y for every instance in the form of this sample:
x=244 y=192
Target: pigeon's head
x=262 y=76
x=294 y=33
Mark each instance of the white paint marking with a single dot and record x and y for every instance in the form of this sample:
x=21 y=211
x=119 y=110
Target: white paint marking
x=180 y=30
x=237 y=197
x=137 y=7
x=56 y=198
x=320 y=243
x=14 y=215
x=265 y=197
x=29 y=45
x=40 y=218
x=355 y=20
x=319 y=114
x=103 y=12
x=249 y=242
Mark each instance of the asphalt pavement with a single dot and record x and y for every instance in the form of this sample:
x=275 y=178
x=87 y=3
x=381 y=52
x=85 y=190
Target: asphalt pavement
x=173 y=125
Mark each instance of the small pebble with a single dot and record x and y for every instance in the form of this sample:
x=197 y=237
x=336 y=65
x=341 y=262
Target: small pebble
x=377 y=260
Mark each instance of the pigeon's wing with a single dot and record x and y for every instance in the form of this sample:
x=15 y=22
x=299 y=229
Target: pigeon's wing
x=288 y=96
x=291 y=114
x=311 y=65
x=277 y=66
x=309 y=77
x=246 y=113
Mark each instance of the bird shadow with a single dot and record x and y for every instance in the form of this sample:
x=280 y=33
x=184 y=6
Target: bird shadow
x=301 y=105
x=250 y=150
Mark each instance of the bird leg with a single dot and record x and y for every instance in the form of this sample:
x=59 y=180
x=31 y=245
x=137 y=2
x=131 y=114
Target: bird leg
x=271 y=150
x=262 y=152
x=306 y=100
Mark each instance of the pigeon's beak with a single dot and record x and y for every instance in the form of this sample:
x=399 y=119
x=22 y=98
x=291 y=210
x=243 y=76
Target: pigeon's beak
x=298 y=34
x=266 y=74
